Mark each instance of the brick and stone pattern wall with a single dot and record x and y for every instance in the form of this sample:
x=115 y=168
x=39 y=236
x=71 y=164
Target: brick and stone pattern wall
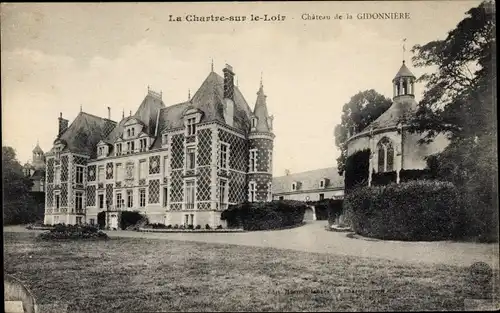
x=261 y=181
x=263 y=146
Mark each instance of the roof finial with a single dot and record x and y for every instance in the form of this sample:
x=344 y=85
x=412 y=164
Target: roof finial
x=130 y=112
x=212 y=65
x=189 y=94
x=37 y=141
x=261 y=85
x=404 y=49
x=237 y=84
x=148 y=88
x=80 y=107
x=123 y=114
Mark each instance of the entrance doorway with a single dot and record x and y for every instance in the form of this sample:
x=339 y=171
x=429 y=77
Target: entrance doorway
x=113 y=221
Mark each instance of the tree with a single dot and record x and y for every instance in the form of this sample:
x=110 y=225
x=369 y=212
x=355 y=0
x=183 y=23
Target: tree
x=363 y=108
x=18 y=205
x=460 y=101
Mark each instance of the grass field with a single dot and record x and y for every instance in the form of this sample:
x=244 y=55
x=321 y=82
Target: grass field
x=141 y=275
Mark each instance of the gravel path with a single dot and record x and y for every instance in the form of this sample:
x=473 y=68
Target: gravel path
x=313 y=237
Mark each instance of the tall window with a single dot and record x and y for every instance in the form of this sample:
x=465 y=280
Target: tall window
x=190 y=158
x=270 y=160
x=269 y=192
x=132 y=146
x=190 y=191
x=119 y=172
x=164 y=139
x=253 y=160
x=128 y=147
x=100 y=151
x=101 y=200
x=57 y=175
x=165 y=165
x=79 y=174
x=224 y=153
x=56 y=220
x=165 y=196
x=222 y=194
x=251 y=192
x=118 y=149
x=321 y=196
x=128 y=133
x=119 y=199
x=143 y=144
x=142 y=169
x=130 y=199
x=100 y=173
x=294 y=186
x=142 y=197
x=79 y=201
x=58 y=201
x=385 y=155
x=191 y=126
x=254 y=122
x=133 y=131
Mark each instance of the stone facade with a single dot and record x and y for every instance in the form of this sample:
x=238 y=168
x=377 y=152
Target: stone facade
x=186 y=169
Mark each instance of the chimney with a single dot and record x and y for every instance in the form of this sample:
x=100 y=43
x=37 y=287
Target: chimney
x=63 y=124
x=109 y=113
x=228 y=82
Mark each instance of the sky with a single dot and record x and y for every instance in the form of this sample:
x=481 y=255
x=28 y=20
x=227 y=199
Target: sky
x=60 y=57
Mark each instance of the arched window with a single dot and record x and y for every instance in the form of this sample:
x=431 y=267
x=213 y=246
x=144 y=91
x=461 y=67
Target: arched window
x=128 y=133
x=405 y=87
x=385 y=155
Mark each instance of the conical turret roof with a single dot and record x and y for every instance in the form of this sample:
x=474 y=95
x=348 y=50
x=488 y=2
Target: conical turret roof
x=260 y=111
x=37 y=149
x=404 y=71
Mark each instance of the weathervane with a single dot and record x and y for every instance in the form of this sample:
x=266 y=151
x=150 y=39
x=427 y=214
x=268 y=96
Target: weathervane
x=404 y=49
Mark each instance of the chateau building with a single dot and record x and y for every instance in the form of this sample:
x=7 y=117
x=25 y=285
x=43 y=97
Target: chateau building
x=314 y=185
x=36 y=170
x=392 y=147
x=177 y=164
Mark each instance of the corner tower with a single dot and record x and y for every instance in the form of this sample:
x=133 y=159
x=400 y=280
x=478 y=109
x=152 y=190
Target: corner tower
x=261 y=144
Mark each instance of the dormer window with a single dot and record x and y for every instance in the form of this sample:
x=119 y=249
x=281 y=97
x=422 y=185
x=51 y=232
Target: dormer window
x=100 y=151
x=164 y=139
x=118 y=149
x=133 y=131
x=191 y=126
x=324 y=183
x=143 y=144
x=294 y=186
x=130 y=147
x=254 y=122
x=128 y=133
x=192 y=117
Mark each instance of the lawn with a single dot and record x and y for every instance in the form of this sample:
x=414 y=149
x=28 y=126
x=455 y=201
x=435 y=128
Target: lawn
x=141 y=275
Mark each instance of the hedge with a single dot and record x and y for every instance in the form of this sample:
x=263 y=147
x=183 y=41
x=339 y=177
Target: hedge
x=75 y=232
x=383 y=178
x=265 y=215
x=357 y=169
x=130 y=218
x=417 y=210
x=408 y=175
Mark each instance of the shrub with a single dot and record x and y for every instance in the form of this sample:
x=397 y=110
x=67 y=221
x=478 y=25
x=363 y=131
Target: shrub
x=417 y=210
x=182 y=227
x=176 y=226
x=156 y=226
x=384 y=178
x=356 y=169
x=265 y=215
x=198 y=226
x=169 y=226
x=130 y=218
x=219 y=227
x=75 y=232
x=207 y=226
x=190 y=226
x=408 y=175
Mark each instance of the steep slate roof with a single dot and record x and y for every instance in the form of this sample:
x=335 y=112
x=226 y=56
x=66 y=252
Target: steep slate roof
x=310 y=180
x=400 y=108
x=38 y=149
x=85 y=132
x=209 y=99
x=38 y=174
x=260 y=111
x=148 y=113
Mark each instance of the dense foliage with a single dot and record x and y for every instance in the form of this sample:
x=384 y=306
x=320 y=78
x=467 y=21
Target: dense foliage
x=327 y=209
x=20 y=206
x=130 y=218
x=363 y=108
x=417 y=210
x=356 y=169
x=75 y=232
x=265 y=215
x=408 y=175
x=460 y=100
x=383 y=178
